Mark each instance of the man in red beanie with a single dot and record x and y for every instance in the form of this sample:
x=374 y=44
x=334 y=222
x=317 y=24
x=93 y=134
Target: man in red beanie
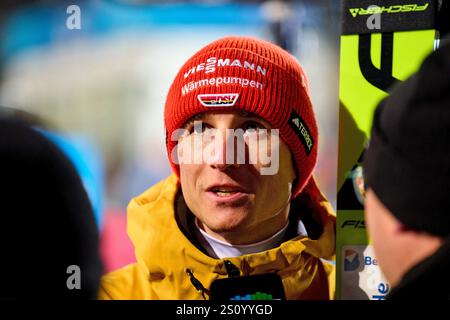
x=242 y=141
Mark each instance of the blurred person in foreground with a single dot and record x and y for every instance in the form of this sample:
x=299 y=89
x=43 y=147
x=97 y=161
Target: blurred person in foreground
x=407 y=172
x=48 y=235
x=225 y=213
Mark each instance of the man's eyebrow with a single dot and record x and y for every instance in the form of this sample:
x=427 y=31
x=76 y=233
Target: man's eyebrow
x=198 y=116
x=254 y=117
x=242 y=113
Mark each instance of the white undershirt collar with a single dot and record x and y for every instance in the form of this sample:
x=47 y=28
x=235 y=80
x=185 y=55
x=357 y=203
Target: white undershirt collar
x=220 y=249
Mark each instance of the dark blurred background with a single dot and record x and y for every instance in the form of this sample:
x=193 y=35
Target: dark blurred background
x=98 y=91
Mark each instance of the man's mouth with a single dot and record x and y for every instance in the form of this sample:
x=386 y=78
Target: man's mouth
x=225 y=191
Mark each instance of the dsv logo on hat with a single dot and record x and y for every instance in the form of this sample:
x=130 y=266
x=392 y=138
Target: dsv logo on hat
x=218 y=99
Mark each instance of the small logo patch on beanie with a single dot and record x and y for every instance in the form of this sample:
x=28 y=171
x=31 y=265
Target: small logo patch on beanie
x=218 y=99
x=298 y=125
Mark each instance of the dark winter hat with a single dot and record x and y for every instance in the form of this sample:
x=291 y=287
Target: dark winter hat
x=47 y=224
x=407 y=163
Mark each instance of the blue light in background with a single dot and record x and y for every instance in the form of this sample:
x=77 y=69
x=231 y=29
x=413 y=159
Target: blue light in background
x=88 y=164
x=43 y=25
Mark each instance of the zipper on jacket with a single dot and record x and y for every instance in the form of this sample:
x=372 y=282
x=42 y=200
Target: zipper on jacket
x=196 y=283
x=232 y=270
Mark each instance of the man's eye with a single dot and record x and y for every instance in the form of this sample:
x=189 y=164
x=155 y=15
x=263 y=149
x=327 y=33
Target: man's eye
x=198 y=127
x=252 y=126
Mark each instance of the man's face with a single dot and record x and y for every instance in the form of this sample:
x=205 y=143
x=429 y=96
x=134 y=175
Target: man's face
x=232 y=200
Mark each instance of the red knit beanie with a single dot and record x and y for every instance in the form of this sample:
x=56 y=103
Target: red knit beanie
x=239 y=73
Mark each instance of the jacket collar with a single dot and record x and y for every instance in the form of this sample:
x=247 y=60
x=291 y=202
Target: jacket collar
x=429 y=279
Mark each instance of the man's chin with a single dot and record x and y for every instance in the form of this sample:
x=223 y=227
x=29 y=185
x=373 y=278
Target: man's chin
x=228 y=227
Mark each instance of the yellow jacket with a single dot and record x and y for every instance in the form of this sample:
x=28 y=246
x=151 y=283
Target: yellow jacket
x=163 y=254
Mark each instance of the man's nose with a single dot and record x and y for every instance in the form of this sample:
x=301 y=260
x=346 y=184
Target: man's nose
x=224 y=151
